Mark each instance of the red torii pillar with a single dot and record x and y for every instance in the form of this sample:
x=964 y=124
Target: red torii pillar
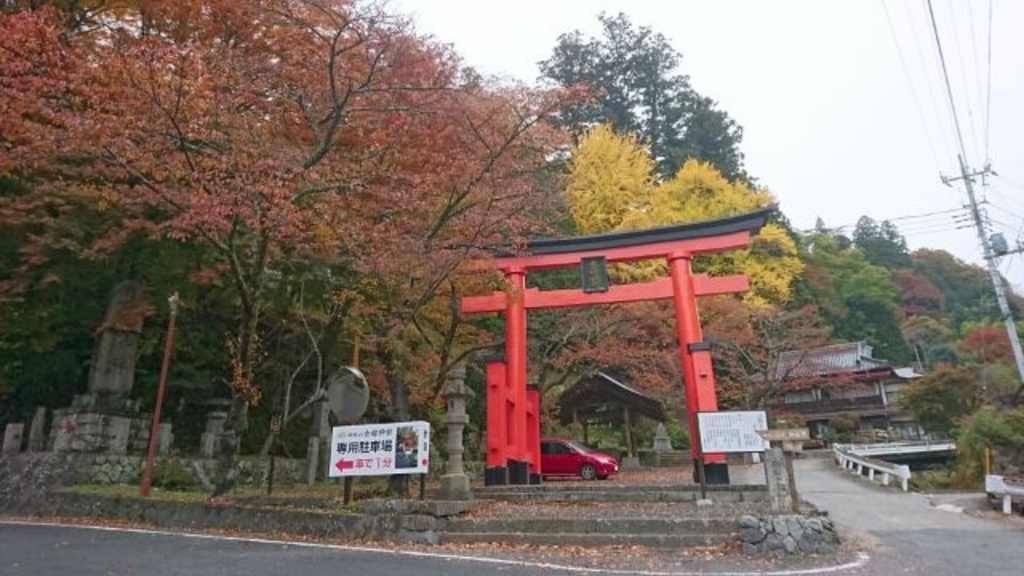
x=513 y=411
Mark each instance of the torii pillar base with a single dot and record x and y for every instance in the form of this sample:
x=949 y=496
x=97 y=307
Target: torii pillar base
x=715 y=473
x=495 y=476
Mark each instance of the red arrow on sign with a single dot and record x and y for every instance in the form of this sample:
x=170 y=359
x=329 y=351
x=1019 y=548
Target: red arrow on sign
x=345 y=465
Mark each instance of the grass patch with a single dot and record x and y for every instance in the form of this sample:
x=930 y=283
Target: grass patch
x=128 y=491
x=932 y=480
x=363 y=488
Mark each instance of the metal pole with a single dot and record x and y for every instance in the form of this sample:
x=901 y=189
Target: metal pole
x=700 y=459
x=346 y=490
x=147 y=473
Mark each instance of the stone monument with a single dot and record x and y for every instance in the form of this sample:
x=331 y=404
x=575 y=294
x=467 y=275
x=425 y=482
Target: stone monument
x=37 y=431
x=455 y=482
x=780 y=499
x=662 y=442
x=209 y=441
x=12 y=438
x=112 y=373
x=104 y=420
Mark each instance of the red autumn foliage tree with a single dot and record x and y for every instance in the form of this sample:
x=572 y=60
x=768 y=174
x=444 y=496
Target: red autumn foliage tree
x=917 y=294
x=748 y=341
x=987 y=344
x=268 y=131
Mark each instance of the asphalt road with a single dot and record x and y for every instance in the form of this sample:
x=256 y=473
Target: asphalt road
x=75 y=551
x=907 y=533
x=902 y=534
x=45 y=550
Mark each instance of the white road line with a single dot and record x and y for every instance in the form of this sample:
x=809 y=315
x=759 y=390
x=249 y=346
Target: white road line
x=862 y=558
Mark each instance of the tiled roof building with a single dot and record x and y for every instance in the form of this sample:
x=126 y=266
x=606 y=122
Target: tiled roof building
x=820 y=384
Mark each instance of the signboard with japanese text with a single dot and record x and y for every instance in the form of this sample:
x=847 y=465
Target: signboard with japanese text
x=380 y=449
x=786 y=434
x=732 y=431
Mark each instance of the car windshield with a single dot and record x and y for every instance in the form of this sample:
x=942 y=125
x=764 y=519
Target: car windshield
x=582 y=447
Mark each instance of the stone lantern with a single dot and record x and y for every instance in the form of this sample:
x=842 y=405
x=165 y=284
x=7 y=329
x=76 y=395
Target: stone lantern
x=455 y=482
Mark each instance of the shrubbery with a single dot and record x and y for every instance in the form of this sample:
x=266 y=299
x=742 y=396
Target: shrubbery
x=173 y=475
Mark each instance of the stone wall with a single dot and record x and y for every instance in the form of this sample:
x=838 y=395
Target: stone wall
x=401 y=522
x=28 y=479
x=788 y=534
x=77 y=431
x=120 y=469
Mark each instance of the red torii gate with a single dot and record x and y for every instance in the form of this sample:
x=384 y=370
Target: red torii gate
x=513 y=411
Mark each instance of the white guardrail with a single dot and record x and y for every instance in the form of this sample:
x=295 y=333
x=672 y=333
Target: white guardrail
x=996 y=485
x=898 y=448
x=857 y=463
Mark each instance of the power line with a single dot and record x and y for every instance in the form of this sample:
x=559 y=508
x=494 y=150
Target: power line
x=1002 y=213
x=953 y=224
x=968 y=178
x=974 y=46
x=937 y=110
x=936 y=213
x=945 y=76
x=910 y=83
x=937 y=231
x=924 y=215
x=988 y=86
x=1005 y=198
x=1011 y=182
x=965 y=85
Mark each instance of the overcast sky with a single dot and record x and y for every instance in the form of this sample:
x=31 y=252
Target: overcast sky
x=834 y=124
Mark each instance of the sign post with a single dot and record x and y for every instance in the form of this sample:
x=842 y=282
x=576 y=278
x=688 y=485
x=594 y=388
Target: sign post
x=701 y=473
x=732 y=432
x=727 y=432
x=380 y=450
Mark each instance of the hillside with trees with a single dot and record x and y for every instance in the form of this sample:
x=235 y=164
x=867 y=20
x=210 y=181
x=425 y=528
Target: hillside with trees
x=315 y=179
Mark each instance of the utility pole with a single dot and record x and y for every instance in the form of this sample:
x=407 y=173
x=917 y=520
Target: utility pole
x=968 y=177
x=990 y=260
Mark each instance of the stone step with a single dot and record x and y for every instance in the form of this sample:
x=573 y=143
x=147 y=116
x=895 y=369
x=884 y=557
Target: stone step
x=612 y=487
x=672 y=459
x=548 y=525
x=624 y=494
x=672 y=541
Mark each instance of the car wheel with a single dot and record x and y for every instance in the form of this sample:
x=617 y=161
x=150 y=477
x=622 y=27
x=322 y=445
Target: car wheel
x=588 y=472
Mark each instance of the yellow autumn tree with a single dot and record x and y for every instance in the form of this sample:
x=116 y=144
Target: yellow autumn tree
x=609 y=181
x=611 y=188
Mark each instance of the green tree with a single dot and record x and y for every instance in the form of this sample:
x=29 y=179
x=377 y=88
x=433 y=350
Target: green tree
x=633 y=74
x=882 y=244
x=940 y=401
x=930 y=339
x=966 y=288
x=858 y=299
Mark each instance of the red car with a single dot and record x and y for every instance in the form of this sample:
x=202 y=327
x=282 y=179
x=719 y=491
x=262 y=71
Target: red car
x=559 y=457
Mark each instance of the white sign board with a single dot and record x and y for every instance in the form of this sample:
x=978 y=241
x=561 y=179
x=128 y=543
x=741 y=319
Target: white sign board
x=380 y=449
x=732 y=431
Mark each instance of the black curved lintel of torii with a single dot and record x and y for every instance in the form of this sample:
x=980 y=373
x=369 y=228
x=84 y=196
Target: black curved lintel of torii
x=750 y=222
